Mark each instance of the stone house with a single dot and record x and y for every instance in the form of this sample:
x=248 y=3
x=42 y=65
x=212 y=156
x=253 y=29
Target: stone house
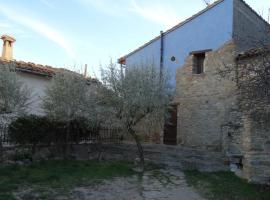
x=35 y=76
x=205 y=114
x=209 y=29
x=208 y=117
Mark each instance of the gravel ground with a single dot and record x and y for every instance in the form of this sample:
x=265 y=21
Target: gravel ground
x=152 y=185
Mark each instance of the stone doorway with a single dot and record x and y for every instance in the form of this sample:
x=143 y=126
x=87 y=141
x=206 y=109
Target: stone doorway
x=170 y=127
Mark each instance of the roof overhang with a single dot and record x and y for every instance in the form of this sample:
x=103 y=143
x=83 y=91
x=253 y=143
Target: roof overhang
x=122 y=61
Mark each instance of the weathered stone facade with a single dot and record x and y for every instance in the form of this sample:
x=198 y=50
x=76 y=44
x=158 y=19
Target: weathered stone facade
x=255 y=121
x=256 y=146
x=208 y=117
x=204 y=101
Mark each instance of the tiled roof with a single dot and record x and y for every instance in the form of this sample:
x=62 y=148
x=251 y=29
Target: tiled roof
x=41 y=70
x=29 y=67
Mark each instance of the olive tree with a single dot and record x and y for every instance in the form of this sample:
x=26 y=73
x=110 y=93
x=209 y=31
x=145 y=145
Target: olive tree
x=14 y=97
x=70 y=97
x=141 y=92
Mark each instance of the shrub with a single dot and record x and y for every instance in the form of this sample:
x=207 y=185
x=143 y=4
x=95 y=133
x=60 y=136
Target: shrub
x=34 y=130
x=30 y=130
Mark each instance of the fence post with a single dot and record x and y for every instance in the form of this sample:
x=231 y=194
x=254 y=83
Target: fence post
x=1 y=150
x=1 y=145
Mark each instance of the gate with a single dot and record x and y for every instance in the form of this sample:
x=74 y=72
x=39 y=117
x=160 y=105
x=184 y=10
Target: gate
x=170 y=127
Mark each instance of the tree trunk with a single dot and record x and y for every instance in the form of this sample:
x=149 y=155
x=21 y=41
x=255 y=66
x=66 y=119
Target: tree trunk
x=140 y=148
x=1 y=151
x=66 y=144
x=33 y=151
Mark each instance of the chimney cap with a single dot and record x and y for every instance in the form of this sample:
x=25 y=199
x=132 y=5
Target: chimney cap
x=8 y=38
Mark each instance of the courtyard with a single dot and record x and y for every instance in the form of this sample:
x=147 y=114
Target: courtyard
x=87 y=180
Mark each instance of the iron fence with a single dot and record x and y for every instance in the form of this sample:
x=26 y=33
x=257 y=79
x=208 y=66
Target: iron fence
x=105 y=136
x=4 y=123
x=3 y=133
x=102 y=136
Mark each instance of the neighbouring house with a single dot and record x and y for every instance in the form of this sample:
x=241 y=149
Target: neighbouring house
x=35 y=76
x=205 y=114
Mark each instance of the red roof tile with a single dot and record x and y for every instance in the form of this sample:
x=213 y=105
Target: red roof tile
x=31 y=67
x=41 y=70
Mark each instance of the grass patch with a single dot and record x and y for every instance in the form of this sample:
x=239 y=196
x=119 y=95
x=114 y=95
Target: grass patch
x=225 y=186
x=61 y=175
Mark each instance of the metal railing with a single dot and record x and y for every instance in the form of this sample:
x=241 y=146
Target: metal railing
x=105 y=136
x=102 y=136
x=5 y=120
x=4 y=133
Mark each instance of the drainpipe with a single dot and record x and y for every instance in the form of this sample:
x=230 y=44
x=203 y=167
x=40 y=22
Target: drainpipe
x=161 y=52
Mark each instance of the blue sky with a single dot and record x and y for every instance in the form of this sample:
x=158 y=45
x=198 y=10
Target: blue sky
x=67 y=33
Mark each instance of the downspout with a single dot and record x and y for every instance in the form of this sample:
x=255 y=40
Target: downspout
x=161 y=53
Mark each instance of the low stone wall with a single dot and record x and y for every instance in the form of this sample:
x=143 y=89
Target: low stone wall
x=172 y=156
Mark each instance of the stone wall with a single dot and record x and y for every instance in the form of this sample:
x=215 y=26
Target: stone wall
x=150 y=130
x=256 y=144
x=255 y=122
x=209 y=118
x=205 y=101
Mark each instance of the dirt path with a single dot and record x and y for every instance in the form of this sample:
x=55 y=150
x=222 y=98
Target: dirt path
x=153 y=185
x=158 y=184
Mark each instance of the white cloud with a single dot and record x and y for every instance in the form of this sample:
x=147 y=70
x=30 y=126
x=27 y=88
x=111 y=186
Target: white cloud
x=157 y=13
x=39 y=27
x=107 y=6
x=6 y=27
x=4 y=24
x=47 y=3
x=151 y=10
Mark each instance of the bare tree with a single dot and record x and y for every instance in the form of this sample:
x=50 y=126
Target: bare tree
x=253 y=82
x=251 y=73
x=139 y=93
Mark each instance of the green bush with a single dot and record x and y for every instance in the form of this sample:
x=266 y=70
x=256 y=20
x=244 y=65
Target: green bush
x=30 y=130
x=34 y=130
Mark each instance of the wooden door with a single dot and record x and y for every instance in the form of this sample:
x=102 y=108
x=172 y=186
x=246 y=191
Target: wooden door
x=170 y=127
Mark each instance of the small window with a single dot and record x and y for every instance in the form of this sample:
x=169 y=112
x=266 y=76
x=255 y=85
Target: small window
x=198 y=63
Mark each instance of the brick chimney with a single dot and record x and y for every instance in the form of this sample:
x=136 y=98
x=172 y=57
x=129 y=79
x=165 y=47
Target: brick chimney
x=7 y=51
